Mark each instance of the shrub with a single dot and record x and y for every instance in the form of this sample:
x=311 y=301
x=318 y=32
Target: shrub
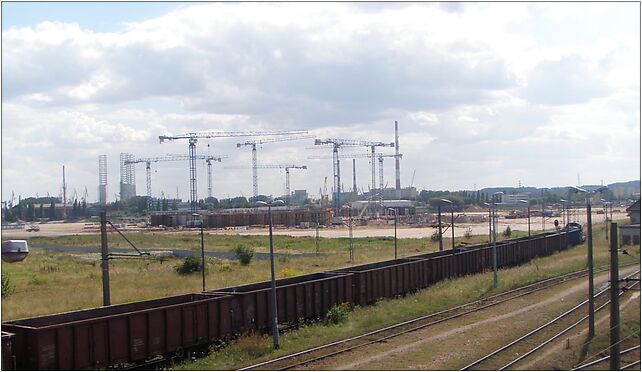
x=337 y=314
x=507 y=232
x=191 y=264
x=7 y=288
x=244 y=254
x=435 y=236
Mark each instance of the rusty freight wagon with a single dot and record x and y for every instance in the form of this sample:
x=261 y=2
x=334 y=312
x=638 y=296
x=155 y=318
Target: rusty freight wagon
x=299 y=297
x=113 y=335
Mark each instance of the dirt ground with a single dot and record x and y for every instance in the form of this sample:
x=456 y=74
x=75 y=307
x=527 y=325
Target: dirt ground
x=472 y=336
x=403 y=231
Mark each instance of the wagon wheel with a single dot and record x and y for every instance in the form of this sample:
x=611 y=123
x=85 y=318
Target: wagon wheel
x=180 y=352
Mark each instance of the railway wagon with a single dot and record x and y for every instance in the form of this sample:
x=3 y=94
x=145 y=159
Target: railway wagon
x=306 y=296
x=383 y=279
x=8 y=357
x=113 y=335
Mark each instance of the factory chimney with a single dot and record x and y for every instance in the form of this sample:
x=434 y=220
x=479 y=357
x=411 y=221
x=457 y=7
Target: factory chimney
x=397 y=172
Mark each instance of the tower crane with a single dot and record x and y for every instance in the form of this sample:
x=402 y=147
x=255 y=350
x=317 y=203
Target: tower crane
x=279 y=166
x=378 y=155
x=336 y=144
x=253 y=143
x=193 y=137
x=148 y=169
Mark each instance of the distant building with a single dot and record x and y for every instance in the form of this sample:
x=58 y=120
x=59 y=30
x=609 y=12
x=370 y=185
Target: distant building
x=403 y=207
x=630 y=234
x=299 y=196
x=514 y=198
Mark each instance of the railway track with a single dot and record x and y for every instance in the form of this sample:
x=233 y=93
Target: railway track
x=606 y=359
x=316 y=354
x=528 y=344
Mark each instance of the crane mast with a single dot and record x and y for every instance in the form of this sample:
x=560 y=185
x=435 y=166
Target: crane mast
x=193 y=137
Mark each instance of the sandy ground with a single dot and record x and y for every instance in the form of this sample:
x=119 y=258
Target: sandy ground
x=403 y=231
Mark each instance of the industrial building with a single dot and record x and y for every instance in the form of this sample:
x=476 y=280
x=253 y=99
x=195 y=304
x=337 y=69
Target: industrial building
x=281 y=216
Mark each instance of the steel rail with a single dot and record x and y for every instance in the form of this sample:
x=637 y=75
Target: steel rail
x=529 y=334
x=630 y=365
x=547 y=283
x=598 y=361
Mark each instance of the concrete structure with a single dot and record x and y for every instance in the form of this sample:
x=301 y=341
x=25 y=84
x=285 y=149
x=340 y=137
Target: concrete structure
x=514 y=198
x=299 y=196
x=127 y=176
x=630 y=234
x=102 y=179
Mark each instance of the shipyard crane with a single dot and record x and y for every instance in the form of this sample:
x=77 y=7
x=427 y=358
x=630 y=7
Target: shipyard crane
x=253 y=143
x=277 y=166
x=380 y=156
x=336 y=144
x=193 y=137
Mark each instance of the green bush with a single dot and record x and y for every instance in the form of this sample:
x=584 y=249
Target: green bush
x=191 y=264
x=507 y=233
x=244 y=254
x=435 y=236
x=337 y=314
x=7 y=288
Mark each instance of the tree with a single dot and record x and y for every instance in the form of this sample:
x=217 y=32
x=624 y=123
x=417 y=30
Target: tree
x=52 y=210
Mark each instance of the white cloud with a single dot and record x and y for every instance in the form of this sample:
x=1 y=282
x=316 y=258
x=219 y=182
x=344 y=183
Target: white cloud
x=474 y=86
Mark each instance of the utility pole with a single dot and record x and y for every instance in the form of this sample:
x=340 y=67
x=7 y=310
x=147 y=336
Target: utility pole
x=589 y=240
x=615 y=303
x=104 y=258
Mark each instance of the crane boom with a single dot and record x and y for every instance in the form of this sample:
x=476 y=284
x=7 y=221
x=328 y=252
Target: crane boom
x=355 y=156
x=219 y=134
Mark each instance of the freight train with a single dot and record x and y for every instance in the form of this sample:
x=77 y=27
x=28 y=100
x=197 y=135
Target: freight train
x=135 y=333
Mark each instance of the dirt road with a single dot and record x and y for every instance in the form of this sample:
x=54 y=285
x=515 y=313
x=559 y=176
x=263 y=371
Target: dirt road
x=403 y=231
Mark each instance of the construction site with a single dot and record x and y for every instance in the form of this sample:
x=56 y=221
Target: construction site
x=298 y=208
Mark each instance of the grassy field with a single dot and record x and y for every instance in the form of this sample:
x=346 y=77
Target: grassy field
x=74 y=280
x=255 y=348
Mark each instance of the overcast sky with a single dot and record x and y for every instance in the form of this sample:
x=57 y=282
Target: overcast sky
x=485 y=94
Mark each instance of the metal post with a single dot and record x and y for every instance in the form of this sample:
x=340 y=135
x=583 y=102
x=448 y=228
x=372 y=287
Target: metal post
x=494 y=248
x=615 y=304
x=202 y=255
x=275 y=321
x=452 y=226
x=490 y=223
x=350 y=232
x=316 y=252
x=441 y=243
x=529 y=220
x=395 y=234
x=104 y=258
x=589 y=239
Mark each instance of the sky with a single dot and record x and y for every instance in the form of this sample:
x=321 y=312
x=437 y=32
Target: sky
x=486 y=94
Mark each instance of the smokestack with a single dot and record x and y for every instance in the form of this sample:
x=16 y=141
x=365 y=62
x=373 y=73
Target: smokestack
x=397 y=172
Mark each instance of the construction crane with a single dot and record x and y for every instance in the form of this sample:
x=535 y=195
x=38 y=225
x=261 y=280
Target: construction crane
x=148 y=168
x=253 y=143
x=193 y=137
x=275 y=166
x=336 y=144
